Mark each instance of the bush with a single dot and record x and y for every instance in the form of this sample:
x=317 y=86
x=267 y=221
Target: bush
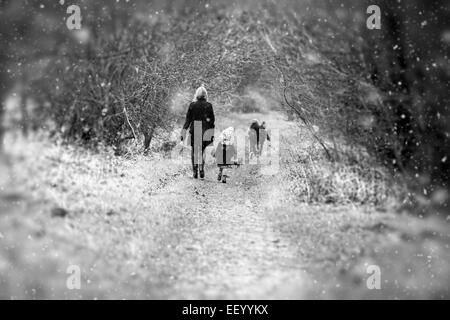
x=385 y=91
x=121 y=87
x=353 y=179
x=245 y=104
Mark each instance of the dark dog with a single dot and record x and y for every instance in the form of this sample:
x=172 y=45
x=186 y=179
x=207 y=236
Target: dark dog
x=258 y=135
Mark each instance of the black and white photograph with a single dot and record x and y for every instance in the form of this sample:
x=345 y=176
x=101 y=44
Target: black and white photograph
x=224 y=150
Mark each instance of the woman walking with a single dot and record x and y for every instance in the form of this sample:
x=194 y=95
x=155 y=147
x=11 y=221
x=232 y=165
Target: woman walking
x=200 y=122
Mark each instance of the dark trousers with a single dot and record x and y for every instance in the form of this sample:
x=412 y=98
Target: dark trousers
x=198 y=156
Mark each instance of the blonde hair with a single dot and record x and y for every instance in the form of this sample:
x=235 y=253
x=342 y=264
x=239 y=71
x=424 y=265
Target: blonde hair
x=227 y=136
x=200 y=93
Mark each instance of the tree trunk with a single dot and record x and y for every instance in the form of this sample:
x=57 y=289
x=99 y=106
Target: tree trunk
x=3 y=91
x=2 y=132
x=24 y=116
x=148 y=136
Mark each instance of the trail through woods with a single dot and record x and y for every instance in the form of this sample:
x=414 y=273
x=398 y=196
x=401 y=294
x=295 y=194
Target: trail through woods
x=145 y=229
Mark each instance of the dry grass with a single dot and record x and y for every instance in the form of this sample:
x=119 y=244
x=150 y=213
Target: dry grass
x=314 y=179
x=127 y=234
x=102 y=197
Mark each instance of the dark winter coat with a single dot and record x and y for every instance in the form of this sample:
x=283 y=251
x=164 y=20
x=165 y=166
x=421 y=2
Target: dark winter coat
x=201 y=110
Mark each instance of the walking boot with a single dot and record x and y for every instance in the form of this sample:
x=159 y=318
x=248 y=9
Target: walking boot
x=202 y=171
x=195 y=169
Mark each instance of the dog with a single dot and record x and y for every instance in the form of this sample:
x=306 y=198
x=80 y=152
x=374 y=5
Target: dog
x=257 y=134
